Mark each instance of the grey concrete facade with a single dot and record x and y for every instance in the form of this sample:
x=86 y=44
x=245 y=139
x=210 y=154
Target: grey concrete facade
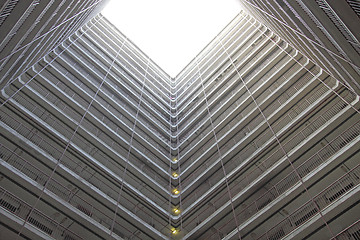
x=31 y=29
x=252 y=140
x=326 y=31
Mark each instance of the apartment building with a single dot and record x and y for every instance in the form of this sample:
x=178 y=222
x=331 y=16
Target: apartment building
x=31 y=29
x=325 y=31
x=252 y=140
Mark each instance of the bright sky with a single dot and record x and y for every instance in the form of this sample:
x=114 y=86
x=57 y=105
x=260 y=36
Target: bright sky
x=171 y=32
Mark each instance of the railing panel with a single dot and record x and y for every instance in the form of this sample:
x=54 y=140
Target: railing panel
x=35 y=218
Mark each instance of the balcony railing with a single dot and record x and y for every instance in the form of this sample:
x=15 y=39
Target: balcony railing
x=219 y=117
x=323 y=200
x=215 y=53
x=206 y=74
x=67 y=194
x=282 y=187
x=201 y=78
x=92 y=148
x=216 y=103
x=102 y=133
x=124 y=58
x=114 y=112
x=17 y=207
x=270 y=161
x=117 y=74
x=256 y=122
x=352 y=232
x=111 y=92
x=132 y=100
x=208 y=54
x=70 y=164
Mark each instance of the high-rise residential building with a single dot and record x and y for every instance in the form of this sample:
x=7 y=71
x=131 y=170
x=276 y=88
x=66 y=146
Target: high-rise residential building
x=31 y=29
x=325 y=31
x=254 y=139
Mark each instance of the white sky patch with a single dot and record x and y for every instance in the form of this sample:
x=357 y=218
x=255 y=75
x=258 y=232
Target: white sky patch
x=171 y=32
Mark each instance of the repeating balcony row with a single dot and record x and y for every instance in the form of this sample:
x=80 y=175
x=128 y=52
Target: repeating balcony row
x=244 y=185
x=110 y=36
x=90 y=138
x=181 y=78
x=105 y=28
x=65 y=204
x=240 y=32
x=351 y=69
x=299 y=42
x=125 y=59
x=336 y=20
x=76 y=63
x=105 y=154
x=124 y=132
x=232 y=90
x=229 y=169
x=112 y=98
x=243 y=54
x=353 y=230
x=321 y=57
x=30 y=52
x=236 y=160
x=103 y=57
x=121 y=95
x=320 y=204
x=327 y=61
x=253 y=140
x=239 y=104
x=14 y=206
x=82 y=202
x=239 y=25
x=302 y=46
x=213 y=55
x=131 y=89
x=243 y=115
x=240 y=47
x=217 y=101
x=103 y=187
x=111 y=114
x=213 y=91
x=269 y=202
x=7 y=44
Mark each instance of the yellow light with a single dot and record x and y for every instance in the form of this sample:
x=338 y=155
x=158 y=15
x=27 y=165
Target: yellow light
x=176 y=191
x=176 y=211
x=174 y=231
x=174 y=160
x=175 y=174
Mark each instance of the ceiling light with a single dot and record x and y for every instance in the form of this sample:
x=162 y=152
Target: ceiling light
x=175 y=175
x=176 y=191
x=174 y=231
